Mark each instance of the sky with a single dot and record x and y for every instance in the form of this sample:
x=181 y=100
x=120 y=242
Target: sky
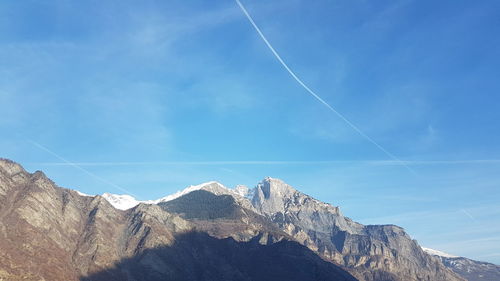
x=149 y=97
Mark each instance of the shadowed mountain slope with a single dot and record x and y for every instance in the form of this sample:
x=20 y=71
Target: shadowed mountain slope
x=198 y=256
x=204 y=205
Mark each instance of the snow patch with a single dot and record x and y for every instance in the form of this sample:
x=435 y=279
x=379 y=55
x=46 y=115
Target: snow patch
x=121 y=202
x=83 y=194
x=125 y=202
x=188 y=190
x=438 y=253
x=244 y=191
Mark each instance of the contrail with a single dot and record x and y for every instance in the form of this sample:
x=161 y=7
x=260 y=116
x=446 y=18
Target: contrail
x=314 y=94
x=82 y=169
x=468 y=214
x=277 y=162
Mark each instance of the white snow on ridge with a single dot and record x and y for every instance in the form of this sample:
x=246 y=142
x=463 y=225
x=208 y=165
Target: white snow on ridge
x=438 y=253
x=121 y=202
x=244 y=191
x=186 y=191
x=125 y=202
x=83 y=194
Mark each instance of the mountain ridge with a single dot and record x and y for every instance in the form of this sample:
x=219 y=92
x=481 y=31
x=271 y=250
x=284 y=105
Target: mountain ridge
x=100 y=235
x=453 y=262
x=84 y=237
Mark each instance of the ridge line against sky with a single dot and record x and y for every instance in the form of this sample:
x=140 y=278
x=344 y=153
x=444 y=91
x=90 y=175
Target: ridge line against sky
x=316 y=96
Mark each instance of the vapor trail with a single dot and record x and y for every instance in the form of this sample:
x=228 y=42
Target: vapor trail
x=468 y=214
x=82 y=169
x=277 y=162
x=314 y=94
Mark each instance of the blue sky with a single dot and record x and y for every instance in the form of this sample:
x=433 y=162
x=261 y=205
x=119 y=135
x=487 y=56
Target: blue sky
x=154 y=96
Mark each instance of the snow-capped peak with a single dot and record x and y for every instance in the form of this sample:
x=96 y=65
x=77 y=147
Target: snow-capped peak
x=125 y=202
x=244 y=191
x=209 y=186
x=438 y=253
x=121 y=202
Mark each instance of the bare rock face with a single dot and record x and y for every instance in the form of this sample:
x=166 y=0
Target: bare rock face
x=373 y=252
x=51 y=233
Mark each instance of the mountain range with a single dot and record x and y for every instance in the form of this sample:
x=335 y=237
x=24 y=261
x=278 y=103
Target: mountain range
x=205 y=232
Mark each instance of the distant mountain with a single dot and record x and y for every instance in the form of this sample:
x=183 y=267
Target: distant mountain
x=206 y=232
x=469 y=269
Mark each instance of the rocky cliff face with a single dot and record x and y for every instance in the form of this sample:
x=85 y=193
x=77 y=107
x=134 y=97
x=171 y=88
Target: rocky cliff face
x=51 y=233
x=373 y=252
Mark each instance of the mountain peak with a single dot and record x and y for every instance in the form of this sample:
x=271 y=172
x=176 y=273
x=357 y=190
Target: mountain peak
x=273 y=195
x=211 y=186
x=121 y=201
x=272 y=187
x=10 y=167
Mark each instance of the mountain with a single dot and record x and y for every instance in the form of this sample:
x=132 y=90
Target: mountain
x=469 y=269
x=52 y=233
x=205 y=232
x=373 y=252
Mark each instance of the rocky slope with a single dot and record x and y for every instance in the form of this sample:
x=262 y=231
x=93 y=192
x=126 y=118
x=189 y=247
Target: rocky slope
x=373 y=252
x=51 y=233
x=469 y=269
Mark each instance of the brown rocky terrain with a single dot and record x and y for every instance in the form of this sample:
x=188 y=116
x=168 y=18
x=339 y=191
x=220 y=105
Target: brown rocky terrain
x=52 y=233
